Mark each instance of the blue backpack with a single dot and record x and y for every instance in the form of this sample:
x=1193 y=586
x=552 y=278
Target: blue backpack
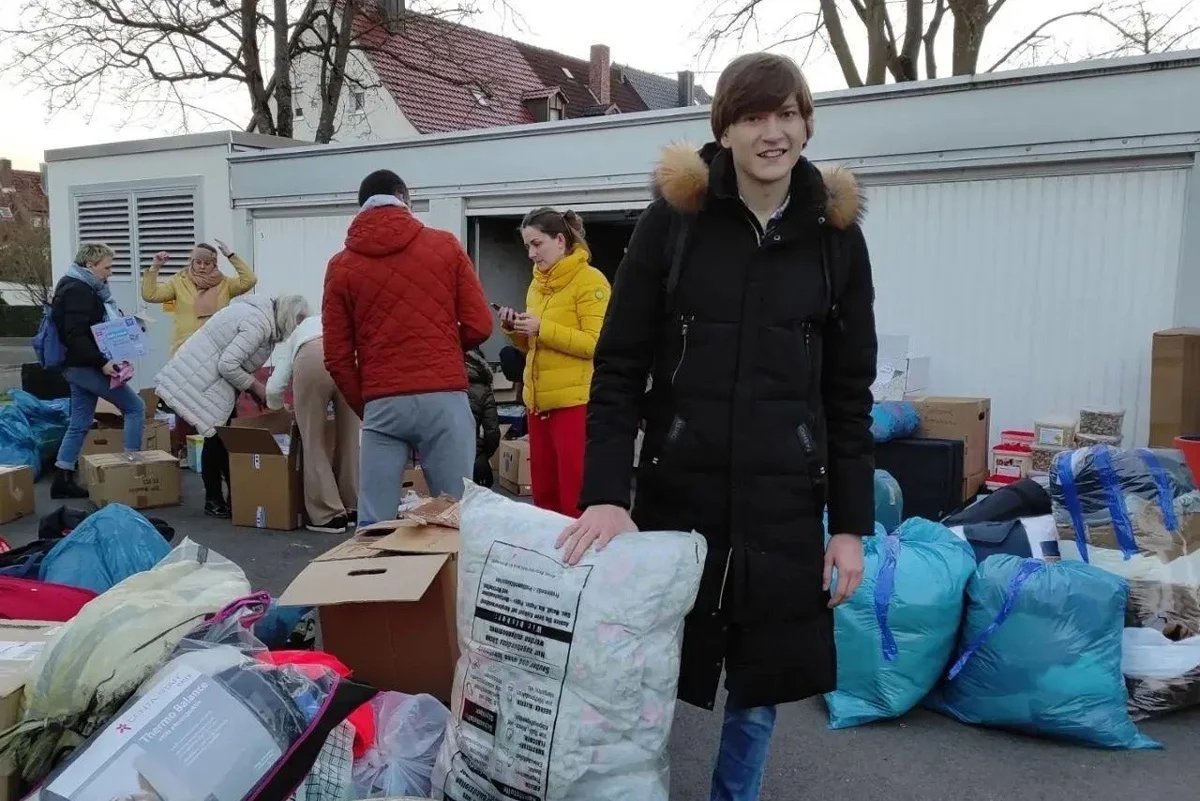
x=47 y=344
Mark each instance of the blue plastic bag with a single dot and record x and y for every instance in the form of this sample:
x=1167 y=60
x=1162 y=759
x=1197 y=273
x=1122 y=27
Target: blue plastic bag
x=287 y=627
x=894 y=420
x=889 y=504
x=47 y=420
x=889 y=501
x=18 y=445
x=897 y=633
x=105 y=549
x=1041 y=654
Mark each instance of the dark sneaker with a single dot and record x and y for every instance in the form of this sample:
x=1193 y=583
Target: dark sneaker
x=65 y=486
x=218 y=509
x=337 y=525
x=352 y=517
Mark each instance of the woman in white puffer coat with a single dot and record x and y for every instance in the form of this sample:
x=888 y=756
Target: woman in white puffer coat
x=202 y=380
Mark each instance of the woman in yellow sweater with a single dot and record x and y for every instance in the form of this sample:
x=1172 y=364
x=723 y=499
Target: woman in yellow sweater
x=199 y=291
x=565 y=308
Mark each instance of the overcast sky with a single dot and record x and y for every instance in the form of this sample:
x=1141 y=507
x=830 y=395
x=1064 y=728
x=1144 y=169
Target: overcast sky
x=655 y=35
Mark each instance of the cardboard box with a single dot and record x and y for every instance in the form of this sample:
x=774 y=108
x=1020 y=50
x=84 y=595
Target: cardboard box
x=503 y=390
x=1174 y=386
x=385 y=600
x=514 y=475
x=265 y=471
x=414 y=479
x=899 y=379
x=965 y=419
x=16 y=492
x=973 y=484
x=20 y=642
x=108 y=437
x=144 y=480
x=495 y=460
x=150 y=398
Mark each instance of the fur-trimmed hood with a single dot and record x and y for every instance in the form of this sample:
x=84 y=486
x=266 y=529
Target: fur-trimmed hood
x=681 y=178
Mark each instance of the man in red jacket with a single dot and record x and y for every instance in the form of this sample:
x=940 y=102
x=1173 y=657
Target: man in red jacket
x=401 y=304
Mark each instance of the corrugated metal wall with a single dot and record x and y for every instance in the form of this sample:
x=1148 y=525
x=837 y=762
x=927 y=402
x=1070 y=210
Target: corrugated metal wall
x=1039 y=292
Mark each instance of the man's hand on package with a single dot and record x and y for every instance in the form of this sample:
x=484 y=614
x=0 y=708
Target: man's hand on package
x=599 y=525
x=845 y=553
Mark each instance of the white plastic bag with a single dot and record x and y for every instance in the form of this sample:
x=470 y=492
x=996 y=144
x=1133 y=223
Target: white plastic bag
x=408 y=733
x=565 y=690
x=1148 y=654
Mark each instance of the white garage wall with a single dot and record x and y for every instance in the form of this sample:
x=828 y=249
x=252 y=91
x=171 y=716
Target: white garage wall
x=1040 y=292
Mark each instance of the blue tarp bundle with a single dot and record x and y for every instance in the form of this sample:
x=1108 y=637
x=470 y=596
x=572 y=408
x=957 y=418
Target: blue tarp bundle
x=896 y=635
x=1041 y=654
x=105 y=549
x=31 y=429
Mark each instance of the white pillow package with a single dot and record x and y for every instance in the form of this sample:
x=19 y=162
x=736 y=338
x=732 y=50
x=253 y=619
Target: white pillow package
x=565 y=689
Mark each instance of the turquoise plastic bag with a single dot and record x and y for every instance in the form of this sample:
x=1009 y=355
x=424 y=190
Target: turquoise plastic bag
x=889 y=501
x=1041 y=654
x=897 y=633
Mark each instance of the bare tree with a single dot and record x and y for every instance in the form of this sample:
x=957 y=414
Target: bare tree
x=1130 y=27
x=170 y=55
x=842 y=26
x=25 y=260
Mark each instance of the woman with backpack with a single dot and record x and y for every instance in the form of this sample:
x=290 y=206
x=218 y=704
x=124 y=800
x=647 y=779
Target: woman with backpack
x=82 y=299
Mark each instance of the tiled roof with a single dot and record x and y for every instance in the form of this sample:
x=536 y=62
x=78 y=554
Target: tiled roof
x=658 y=91
x=572 y=74
x=21 y=193
x=448 y=77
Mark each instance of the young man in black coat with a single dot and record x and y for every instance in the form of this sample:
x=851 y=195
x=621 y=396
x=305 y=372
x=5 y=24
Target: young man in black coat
x=746 y=299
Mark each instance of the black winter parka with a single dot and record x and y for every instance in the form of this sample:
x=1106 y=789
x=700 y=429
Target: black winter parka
x=757 y=413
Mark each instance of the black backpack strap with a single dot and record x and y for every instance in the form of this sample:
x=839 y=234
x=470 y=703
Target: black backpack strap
x=835 y=275
x=678 y=236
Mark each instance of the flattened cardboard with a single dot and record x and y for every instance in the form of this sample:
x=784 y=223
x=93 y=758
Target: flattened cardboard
x=409 y=537
x=266 y=484
x=386 y=603
x=144 y=480
x=21 y=641
x=16 y=492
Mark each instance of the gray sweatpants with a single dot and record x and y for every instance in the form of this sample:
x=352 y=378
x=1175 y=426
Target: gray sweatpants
x=439 y=425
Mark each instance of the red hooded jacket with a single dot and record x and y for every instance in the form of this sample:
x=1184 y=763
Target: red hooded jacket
x=402 y=302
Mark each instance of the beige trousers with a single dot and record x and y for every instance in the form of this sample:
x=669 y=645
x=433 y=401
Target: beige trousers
x=330 y=463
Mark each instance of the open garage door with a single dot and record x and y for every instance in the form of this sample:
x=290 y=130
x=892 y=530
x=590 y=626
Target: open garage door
x=506 y=271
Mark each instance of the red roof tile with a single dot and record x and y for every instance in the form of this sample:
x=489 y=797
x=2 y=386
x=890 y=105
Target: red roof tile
x=446 y=76
x=21 y=192
x=549 y=67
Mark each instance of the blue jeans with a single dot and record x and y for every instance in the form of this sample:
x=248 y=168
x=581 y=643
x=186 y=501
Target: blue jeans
x=745 y=742
x=88 y=385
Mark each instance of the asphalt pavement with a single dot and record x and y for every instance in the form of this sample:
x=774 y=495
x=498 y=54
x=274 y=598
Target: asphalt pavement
x=923 y=757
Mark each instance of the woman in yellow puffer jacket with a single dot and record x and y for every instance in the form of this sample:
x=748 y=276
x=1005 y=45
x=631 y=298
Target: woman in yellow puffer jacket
x=565 y=308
